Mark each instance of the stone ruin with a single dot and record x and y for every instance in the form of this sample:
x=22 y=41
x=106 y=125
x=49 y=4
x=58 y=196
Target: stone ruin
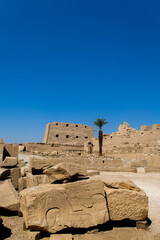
x=9 y=166
x=67 y=133
x=57 y=199
x=60 y=197
x=126 y=150
x=134 y=150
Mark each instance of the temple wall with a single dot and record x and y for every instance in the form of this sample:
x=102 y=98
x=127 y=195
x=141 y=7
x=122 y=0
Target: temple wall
x=137 y=148
x=67 y=133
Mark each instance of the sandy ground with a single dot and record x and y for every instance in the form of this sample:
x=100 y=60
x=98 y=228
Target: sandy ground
x=149 y=182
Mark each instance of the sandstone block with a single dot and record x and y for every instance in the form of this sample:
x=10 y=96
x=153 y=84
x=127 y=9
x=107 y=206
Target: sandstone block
x=53 y=207
x=61 y=237
x=22 y=183
x=15 y=175
x=9 y=162
x=9 y=199
x=35 y=180
x=127 y=204
x=4 y=173
x=65 y=170
x=117 y=182
x=41 y=163
x=11 y=150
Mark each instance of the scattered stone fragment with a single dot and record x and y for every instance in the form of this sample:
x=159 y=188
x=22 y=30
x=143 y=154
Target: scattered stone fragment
x=53 y=207
x=4 y=173
x=32 y=180
x=118 y=182
x=15 y=175
x=65 y=170
x=9 y=199
x=9 y=162
x=142 y=224
x=41 y=163
x=127 y=204
x=61 y=237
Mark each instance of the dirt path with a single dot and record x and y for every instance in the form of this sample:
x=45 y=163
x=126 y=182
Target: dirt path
x=150 y=183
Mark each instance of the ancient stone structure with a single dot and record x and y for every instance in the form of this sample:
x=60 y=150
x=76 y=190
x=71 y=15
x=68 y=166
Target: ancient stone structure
x=9 y=160
x=67 y=133
x=82 y=203
x=52 y=149
x=9 y=199
x=141 y=147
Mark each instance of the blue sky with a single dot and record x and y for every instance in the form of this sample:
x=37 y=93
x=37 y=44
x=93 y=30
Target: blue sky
x=75 y=61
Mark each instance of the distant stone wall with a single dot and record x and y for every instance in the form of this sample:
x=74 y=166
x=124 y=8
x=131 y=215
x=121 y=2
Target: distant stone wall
x=42 y=148
x=67 y=133
x=135 y=148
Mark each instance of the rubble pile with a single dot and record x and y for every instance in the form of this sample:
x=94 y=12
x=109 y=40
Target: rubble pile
x=57 y=198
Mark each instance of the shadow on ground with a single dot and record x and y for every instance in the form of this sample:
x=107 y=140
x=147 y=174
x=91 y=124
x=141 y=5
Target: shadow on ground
x=4 y=232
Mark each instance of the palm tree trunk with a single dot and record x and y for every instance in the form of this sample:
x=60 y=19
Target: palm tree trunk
x=100 y=141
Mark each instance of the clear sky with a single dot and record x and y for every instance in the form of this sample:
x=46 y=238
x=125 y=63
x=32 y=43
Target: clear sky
x=75 y=61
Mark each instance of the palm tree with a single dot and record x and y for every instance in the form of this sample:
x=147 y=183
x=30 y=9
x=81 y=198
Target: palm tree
x=100 y=122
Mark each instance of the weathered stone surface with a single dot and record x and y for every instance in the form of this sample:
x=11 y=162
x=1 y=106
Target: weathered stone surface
x=41 y=163
x=9 y=162
x=24 y=170
x=32 y=180
x=35 y=180
x=127 y=204
x=22 y=183
x=9 y=199
x=15 y=175
x=61 y=237
x=65 y=170
x=77 y=133
x=117 y=182
x=92 y=172
x=4 y=173
x=53 y=207
x=34 y=235
x=21 y=163
x=142 y=224
x=11 y=150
